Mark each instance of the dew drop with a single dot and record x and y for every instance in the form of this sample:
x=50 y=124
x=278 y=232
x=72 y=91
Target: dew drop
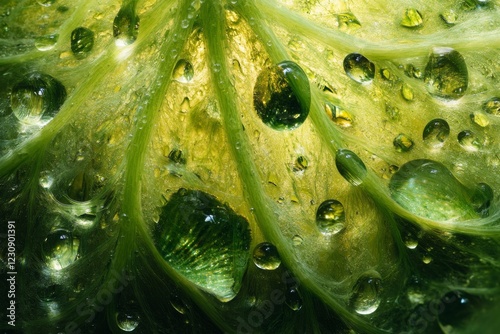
x=428 y=189
x=347 y=21
x=265 y=256
x=436 y=132
x=330 y=217
x=358 y=68
x=480 y=119
x=46 y=43
x=411 y=243
x=446 y=74
x=177 y=156
x=449 y=17
x=183 y=71
x=468 y=140
x=125 y=26
x=60 y=249
x=37 y=95
x=426 y=259
x=412 y=18
x=204 y=240
x=178 y=304
x=282 y=96
x=407 y=92
x=492 y=106
x=127 y=320
x=338 y=115
x=402 y=143
x=46 y=180
x=365 y=296
x=300 y=164
x=82 y=42
x=86 y=221
x=46 y=3
x=293 y=299
x=297 y=240
x=350 y=167
x=482 y=197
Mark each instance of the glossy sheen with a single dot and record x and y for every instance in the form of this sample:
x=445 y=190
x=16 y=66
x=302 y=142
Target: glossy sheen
x=37 y=95
x=427 y=189
x=265 y=256
x=204 y=240
x=282 y=96
x=446 y=74
x=350 y=166
x=359 y=68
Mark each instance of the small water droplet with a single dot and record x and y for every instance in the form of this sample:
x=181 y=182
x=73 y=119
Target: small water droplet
x=184 y=24
x=350 y=166
x=411 y=243
x=82 y=42
x=338 y=115
x=330 y=217
x=293 y=299
x=300 y=164
x=60 y=249
x=86 y=221
x=468 y=140
x=412 y=18
x=282 y=96
x=37 y=95
x=387 y=74
x=480 y=119
x=127 y=320
x=46 y=3
x=178 y=304
x=177 y=156
x=365 y=297
x=46 y=180
x=403 y=143
x=407 y=92
x=482 y=198
x=358 y=68
x=125 y=26
x=183 y=71
x=347 y=21
x=446 y=74
x=426 y=259
x=46 y=43
x=297 y=240
x=436 y=132
x=492 y=106
x=449 y=17
x=265 y=256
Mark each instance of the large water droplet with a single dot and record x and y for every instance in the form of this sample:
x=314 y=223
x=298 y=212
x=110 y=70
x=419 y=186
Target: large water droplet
x=82 y=42
x=60 y=249
x=282 y=96
x=436 y=132
x=183 y=71
x=265 y=256
x=350 y=166
x=204 y=240
x=492 y=106
x=330 y=217
x=358 y=68
x=365 y=297
x=293 y=299
x=37 y=95
x=427 y=189
x=446 y=74
x=125 y=26
x=412 y=18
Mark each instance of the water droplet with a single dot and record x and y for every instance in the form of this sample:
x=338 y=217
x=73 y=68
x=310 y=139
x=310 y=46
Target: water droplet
x=426 y=259
x=183 y=71
x=410 y=242
x=265 y=256
x=125 y=26
x=482 y=198
x=60 y=249
x=37 y=95
x=178 y=304
x=436 y=132
x=184 y=24
x=412 y=72
x=459 y=306
x=468 y=140
x=46 y=3
x=330 y=217
x=86 y=221
x=480 y=119
x=428 y=189
x=338 y=115
x=350 y=166
x=297 y=240
x=205 y=241
x=293 y=299
x=82 y=42
x=449 y=17
x=492 y=106
x=412 y=18
x=365 y=297
x=347 y=21
x=46 y=180
x=387 y=74
x=358 y=68
x=46 y=43
x=282 y=96
x=446 y=74
x=402 y=143
x=127 y=320
x=407 y=92
x=300 y=164
x=177 y=156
